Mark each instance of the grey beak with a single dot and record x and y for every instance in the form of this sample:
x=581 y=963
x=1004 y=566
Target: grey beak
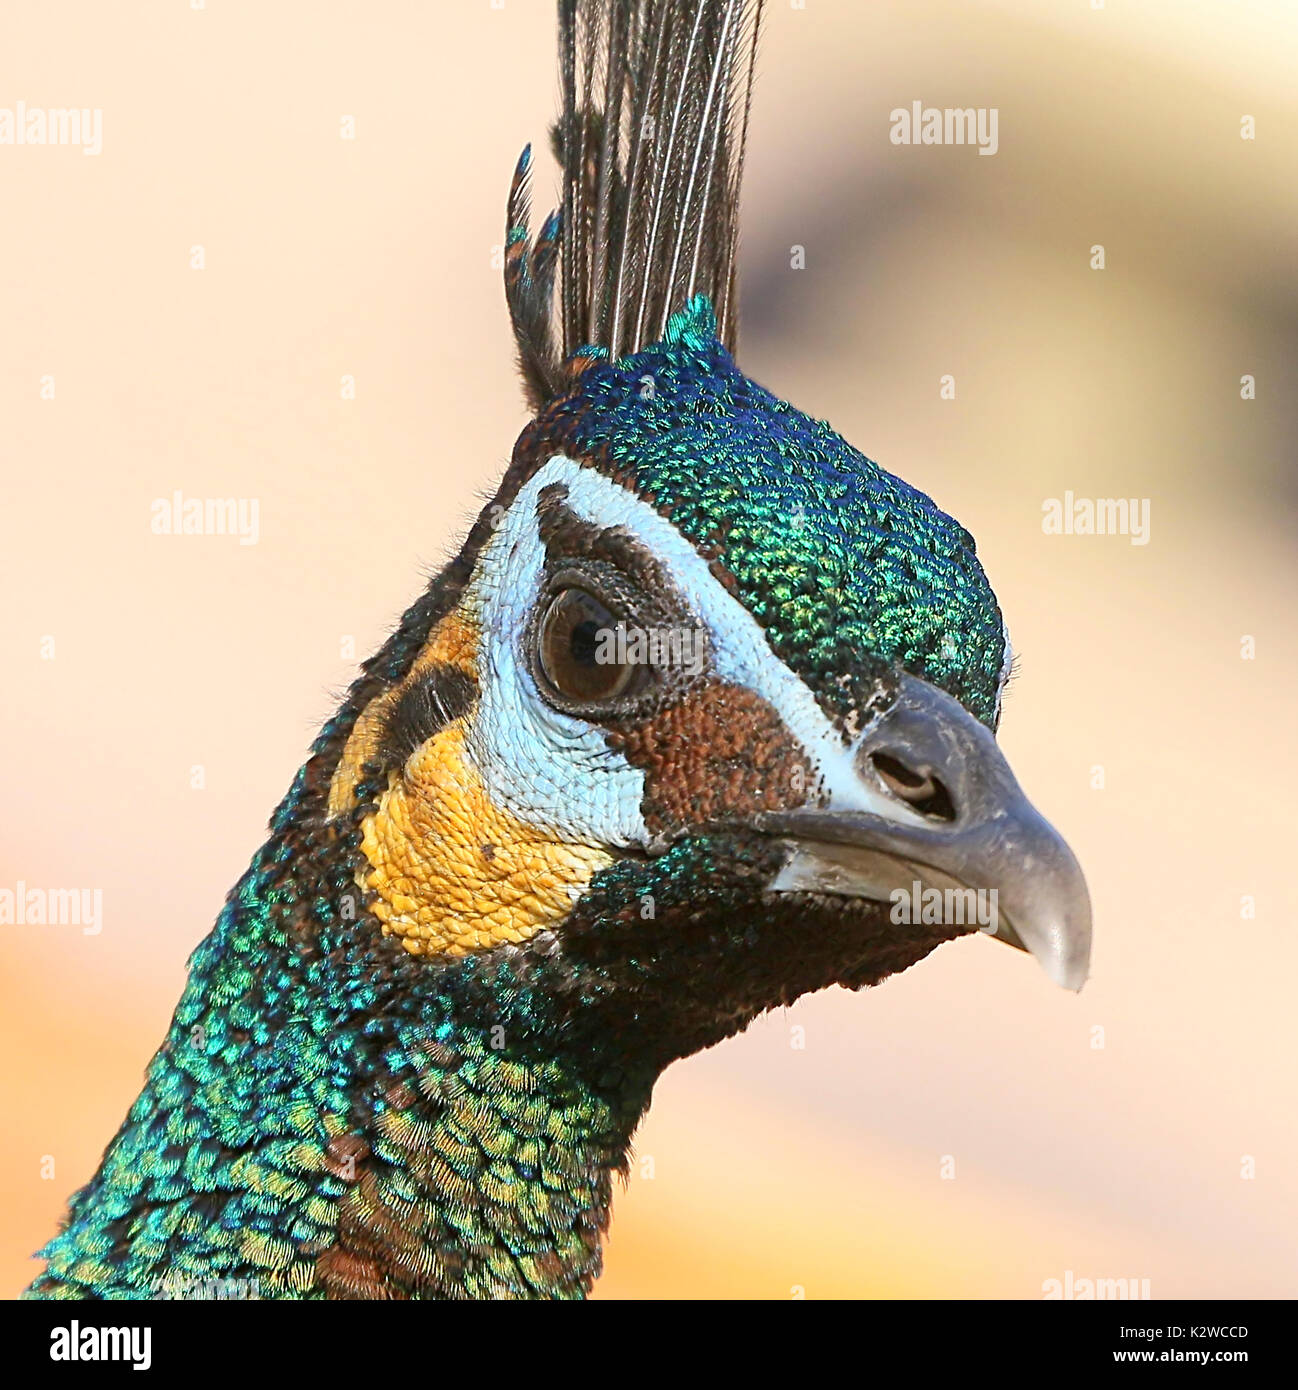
x=944 y=810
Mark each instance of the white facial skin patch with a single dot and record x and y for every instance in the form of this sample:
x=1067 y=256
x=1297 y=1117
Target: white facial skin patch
x=556 y=771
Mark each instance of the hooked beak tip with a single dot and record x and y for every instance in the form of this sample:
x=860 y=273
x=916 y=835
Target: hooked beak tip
x=984 y=835
x=1060 y=941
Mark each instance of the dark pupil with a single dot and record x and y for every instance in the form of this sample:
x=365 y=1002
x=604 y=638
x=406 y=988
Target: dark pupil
x=570 y=647
x=585 y=639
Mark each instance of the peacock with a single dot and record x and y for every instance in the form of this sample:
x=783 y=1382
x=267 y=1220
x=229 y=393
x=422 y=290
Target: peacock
x=704 y=705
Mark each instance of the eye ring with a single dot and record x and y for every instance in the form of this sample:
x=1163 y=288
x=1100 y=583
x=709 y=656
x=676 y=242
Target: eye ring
x=576 y=649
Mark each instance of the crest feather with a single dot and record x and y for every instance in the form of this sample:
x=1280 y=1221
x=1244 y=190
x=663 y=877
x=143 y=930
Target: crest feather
x=650 y=142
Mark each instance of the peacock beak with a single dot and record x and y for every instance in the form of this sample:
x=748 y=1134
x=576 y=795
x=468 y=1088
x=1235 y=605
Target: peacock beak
x=931 y=804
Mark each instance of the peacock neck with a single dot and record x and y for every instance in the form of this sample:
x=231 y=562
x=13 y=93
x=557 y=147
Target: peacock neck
x=330 y=1117
x=480 y=1156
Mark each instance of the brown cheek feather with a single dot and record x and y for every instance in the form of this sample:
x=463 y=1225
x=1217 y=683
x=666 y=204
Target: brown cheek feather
x=720 y=753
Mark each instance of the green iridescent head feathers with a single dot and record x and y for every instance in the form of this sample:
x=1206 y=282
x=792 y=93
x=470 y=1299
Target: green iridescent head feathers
x=847 y=567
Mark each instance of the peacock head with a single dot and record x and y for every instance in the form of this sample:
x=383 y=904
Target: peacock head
x=709 y=724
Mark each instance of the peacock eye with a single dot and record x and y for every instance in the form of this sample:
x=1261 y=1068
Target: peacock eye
x=578 y=652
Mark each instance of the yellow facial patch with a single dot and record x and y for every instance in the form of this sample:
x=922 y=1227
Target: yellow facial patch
x=453 y=642
x=453 y=872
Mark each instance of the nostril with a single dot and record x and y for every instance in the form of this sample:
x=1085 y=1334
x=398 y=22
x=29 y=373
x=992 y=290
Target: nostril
x=921 y=790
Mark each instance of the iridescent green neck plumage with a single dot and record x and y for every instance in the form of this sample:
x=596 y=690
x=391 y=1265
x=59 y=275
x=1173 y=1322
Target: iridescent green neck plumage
x=329 y=1117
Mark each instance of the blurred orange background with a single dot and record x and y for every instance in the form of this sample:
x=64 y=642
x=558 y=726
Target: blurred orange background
x=809 y=1154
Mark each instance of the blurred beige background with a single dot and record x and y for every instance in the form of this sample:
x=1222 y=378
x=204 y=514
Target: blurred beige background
x=775 y=1168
